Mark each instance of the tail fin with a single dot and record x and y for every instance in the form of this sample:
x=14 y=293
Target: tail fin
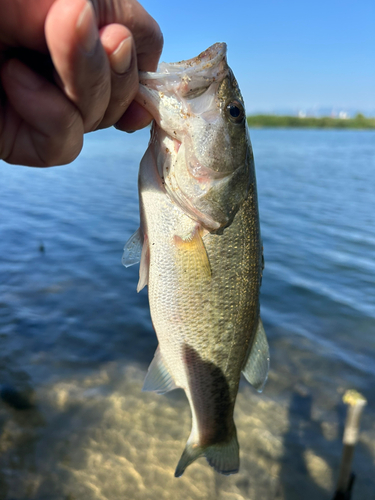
x=223 y=457
x=189 y=455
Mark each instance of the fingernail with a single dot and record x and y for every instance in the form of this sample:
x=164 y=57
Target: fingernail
x=24 y=76
x=121 y=58
x=87 y=29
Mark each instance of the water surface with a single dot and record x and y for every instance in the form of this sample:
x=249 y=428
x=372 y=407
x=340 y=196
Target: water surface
x=76 y=338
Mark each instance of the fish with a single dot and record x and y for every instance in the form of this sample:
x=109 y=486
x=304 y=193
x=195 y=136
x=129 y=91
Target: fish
x=200 y=250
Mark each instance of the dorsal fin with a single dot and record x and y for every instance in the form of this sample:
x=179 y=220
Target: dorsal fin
x=258 y=362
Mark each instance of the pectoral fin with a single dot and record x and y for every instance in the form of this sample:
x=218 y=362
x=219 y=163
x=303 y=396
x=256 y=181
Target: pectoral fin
x=133 y=249
x=194 y=243
x=136 y=250
x=158 y=378
x=258 y=362
x=144 y=265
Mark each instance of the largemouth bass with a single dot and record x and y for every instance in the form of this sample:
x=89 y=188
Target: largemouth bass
x=200 y=249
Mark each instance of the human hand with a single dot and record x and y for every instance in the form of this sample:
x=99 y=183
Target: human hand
x=81 y=74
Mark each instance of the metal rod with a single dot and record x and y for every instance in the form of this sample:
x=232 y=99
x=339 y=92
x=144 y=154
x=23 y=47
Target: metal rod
x=356 y=402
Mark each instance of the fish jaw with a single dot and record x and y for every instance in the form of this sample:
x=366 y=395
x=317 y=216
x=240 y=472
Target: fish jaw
x=208 y=175
x=168 y=94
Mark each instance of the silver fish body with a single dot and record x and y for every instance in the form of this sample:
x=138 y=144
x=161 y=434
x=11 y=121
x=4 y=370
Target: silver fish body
x=201 y=248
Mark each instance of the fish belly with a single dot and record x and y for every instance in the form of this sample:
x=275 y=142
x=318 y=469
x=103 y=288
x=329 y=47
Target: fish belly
x=204 y=322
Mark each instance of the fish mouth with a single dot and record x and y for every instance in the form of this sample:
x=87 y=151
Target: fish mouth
x=184 y=79
x=205 y=61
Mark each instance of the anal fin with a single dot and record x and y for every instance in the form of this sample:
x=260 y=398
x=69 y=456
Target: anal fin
x=158 y=378
x=258 y=362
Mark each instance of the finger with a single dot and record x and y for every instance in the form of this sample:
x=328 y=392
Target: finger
x=146 y=31
x=135 y=118
x=118 y=43
x=79 y=58
x=41 y=127
x=22 y=22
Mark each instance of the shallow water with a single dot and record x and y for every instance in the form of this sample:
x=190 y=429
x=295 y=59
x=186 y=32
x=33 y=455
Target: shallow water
x=76 y=339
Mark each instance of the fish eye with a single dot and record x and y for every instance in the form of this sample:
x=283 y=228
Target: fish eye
x=235 y=111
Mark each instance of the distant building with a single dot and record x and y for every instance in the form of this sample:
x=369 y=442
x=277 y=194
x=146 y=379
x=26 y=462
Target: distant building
x=343 y=115
x=302 y=114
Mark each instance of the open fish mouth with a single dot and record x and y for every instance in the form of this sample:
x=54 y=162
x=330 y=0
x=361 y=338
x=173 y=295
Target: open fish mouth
x=207 y=62
x=184 y=80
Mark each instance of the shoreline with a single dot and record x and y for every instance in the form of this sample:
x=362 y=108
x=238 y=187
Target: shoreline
x=359 y=122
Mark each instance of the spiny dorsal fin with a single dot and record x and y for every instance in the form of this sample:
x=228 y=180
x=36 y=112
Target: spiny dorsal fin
x=133 y=249
x=158 y=378
x=258 y=362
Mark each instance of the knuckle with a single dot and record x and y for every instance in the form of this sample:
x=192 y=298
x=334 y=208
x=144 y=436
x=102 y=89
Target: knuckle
x=69 y=118
x=65 y=143
x=158 y=39
x=153 y=40
x=61 y=153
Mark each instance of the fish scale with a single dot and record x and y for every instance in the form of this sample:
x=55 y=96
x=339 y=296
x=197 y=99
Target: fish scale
x=201 y=249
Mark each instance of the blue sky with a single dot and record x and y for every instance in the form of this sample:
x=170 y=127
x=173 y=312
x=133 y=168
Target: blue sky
x=286 y=55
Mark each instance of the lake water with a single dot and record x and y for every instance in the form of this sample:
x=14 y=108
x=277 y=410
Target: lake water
x=76 y=338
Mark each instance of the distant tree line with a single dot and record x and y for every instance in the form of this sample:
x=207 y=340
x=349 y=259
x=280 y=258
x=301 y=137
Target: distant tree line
x=358 y=122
